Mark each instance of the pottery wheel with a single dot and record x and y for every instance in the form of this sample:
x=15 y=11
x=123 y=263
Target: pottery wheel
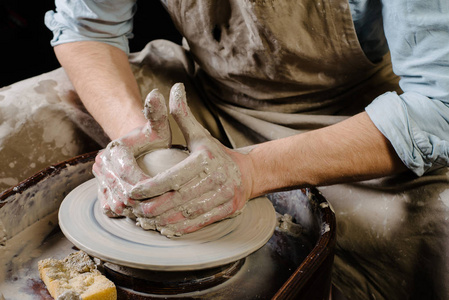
x=120 y=241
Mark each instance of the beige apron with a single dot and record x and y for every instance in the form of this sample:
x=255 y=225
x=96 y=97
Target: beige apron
x=265 y=70
x=273 y=66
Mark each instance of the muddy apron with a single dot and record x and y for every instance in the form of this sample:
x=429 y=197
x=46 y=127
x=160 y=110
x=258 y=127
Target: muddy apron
x=271 y=69
x=279 y=67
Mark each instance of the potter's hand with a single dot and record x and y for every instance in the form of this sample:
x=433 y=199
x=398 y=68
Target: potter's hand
x=115 y=167
x=205 y=187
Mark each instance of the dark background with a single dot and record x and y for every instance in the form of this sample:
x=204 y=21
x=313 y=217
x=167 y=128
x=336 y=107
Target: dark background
x=25 y=49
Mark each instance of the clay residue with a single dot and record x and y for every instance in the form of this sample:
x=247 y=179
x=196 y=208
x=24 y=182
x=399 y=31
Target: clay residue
x=47 y=87
x=24 y=208
x=160 y=160
x=39 y=126
x=286 y=224
x=20 y=249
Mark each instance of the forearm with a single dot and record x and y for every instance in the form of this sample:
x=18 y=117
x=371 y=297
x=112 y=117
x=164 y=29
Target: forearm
x=352 y=150
x=105 y=83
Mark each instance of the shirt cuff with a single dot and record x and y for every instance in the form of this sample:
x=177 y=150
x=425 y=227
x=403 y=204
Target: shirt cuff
x=416 y=126
x=63 y=34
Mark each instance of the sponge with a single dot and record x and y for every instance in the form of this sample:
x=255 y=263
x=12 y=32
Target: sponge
x=75 y=277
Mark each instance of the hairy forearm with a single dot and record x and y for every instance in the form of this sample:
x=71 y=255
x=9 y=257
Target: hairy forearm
x=352 y=150
x=105 y=83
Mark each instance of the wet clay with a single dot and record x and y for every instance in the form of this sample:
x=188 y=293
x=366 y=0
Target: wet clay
x=160 y=160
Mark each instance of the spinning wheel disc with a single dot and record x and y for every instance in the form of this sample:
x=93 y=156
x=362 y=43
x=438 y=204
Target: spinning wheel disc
x=121 y=242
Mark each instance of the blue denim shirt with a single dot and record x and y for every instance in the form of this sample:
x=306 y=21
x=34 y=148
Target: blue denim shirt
x=416 y=33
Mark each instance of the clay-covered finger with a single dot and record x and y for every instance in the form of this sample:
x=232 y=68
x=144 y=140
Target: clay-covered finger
x=119 y=164
x=158 y=205
x=155 y=111
x=109 y=202
x=184 y=226
x=207 y=202
x=192 y=209
x=117 y=188
x=195 y=189
x=173 y=178
x=103 y=195
x=200 y=206
x=156 y=130
x=190 y=127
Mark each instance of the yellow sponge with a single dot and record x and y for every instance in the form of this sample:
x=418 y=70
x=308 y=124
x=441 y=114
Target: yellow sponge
x=75 y=277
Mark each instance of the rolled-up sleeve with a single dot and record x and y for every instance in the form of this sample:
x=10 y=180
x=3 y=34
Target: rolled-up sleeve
x=92 y=20
x=416 y=122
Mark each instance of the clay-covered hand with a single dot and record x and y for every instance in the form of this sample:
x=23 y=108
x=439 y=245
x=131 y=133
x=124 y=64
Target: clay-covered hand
x=115 y=167
x=206 y=187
